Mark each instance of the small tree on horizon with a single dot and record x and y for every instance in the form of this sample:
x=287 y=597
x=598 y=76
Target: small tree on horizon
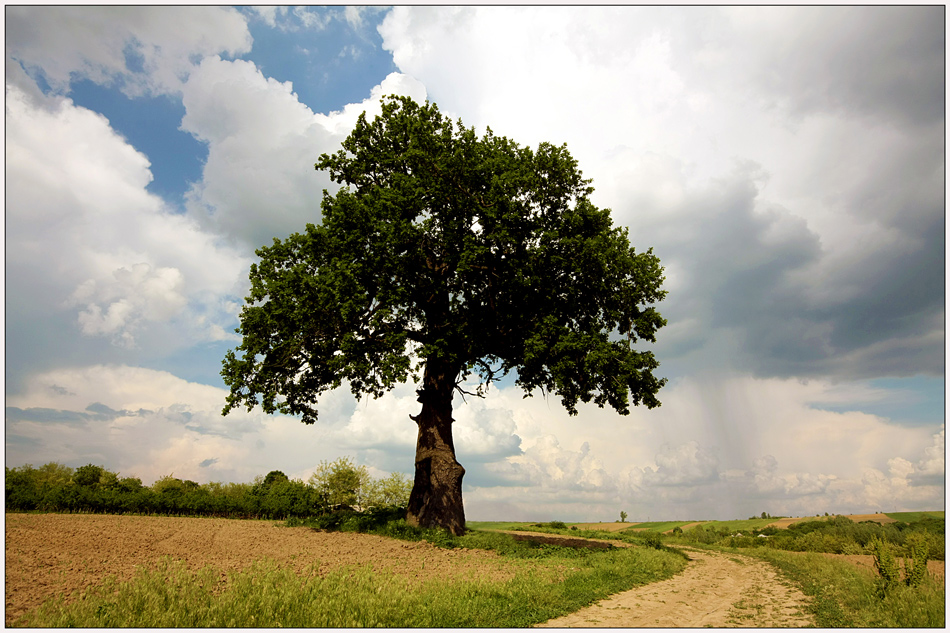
x=445 y=256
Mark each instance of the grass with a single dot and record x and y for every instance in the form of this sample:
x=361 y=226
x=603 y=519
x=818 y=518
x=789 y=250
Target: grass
x=911 y=517
x=659 y=526
x=738 y=525
x=845 y=596
x=549 y=582
x=496 y=525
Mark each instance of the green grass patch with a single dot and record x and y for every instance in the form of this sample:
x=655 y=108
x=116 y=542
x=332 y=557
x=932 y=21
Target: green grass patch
x=913 y=517
x=659 y=526
x=496 y=525
x=845 y=596
x=549 y=581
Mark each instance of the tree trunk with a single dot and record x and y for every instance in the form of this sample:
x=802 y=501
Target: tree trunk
x=436 y=497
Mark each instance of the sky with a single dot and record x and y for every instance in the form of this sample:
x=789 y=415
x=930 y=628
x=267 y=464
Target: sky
x=786 y=164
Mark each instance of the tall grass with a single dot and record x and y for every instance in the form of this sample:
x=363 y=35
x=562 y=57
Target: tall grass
x=550 y=582
x=844 y=595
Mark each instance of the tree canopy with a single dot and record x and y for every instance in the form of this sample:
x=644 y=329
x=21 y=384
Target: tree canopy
x=446 y=255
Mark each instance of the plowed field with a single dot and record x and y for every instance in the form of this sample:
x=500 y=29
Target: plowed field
x=58 y=554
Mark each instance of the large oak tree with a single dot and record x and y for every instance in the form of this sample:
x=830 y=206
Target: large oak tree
x=443 y=256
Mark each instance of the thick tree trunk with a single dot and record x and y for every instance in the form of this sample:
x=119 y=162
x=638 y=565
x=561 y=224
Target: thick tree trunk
x=436 y=498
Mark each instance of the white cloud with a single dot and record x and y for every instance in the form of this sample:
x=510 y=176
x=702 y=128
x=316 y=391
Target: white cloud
x=159 y=424
x=149 y=50
x=259 y=180
x=719 y=447
x=79 y=219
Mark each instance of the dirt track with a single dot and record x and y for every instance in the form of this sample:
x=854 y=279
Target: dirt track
x=715 y=590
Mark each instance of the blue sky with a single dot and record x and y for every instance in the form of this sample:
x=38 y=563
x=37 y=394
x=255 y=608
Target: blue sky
x=785 y=163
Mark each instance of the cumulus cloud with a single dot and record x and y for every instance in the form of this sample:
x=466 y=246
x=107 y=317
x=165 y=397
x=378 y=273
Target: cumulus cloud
x=89 y=247
x=259 y=180
x=146 y=50
x=723 y=447
x=147 y=423
x=685 y=465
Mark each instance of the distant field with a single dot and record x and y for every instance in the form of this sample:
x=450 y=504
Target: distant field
x=857 y=518
x=659 y=526
x=496 y=525
x=910 y=517
x=740 y=524
x=737 y=525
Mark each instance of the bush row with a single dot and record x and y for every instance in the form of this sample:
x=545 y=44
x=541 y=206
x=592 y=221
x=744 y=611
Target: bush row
x=93 y=489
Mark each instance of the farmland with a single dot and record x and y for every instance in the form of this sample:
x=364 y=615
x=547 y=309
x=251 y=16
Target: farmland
x=104 y=570
x=100 y=570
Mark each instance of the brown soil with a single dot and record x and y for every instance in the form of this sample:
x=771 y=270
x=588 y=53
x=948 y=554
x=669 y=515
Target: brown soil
x=563 y=541
x=715 y=590
x=58 y=554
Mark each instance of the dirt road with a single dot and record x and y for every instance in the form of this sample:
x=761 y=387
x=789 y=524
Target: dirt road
x=715 y=589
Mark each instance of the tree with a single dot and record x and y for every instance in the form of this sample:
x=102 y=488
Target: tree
x=341 y=483
x=443 y=256
x=273 y=477
x=623 y=516
x=388 y=492
x=88 y=475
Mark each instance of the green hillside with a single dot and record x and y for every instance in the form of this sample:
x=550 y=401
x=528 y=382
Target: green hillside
x=911 y=517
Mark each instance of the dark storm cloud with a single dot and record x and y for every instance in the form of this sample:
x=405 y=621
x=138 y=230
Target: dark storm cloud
x=95 y=412
x=879 y=61
x=795 y=302
x=747 y=267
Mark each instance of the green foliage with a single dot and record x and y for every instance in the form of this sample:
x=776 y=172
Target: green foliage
x=441 y=245
x=652 y=539
x=918 y=547
x=913 y=517
x=273 y=477
x=341 y=483
x=885 y=564
x=54 y=488
x=387 y=492
x=88 y=475
x=623 y=516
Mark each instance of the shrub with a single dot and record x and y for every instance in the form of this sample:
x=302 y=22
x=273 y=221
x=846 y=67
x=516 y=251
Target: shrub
x=916 y=565
x=652 y=539
x=885 y=564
